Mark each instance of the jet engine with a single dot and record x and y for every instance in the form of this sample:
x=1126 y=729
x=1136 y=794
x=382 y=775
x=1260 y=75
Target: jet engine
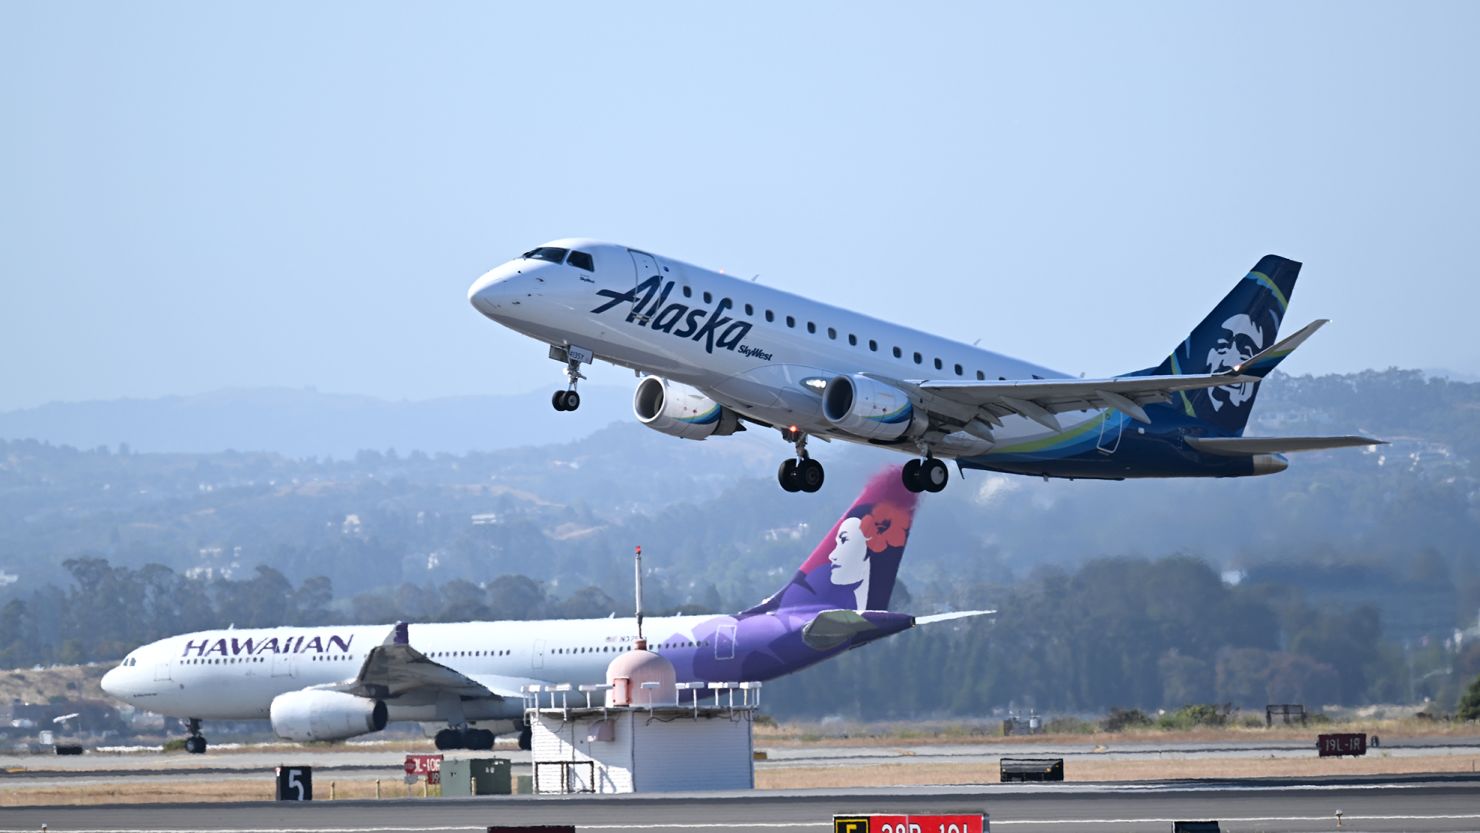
x=681 y=411
x=325 y=715
x=870 y=409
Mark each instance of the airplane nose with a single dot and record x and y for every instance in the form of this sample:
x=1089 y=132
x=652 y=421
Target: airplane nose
x=109 y=682
x=499 y=289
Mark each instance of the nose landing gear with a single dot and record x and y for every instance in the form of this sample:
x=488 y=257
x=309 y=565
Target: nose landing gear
x=574 y=357
x=802 y=474
x=927 y=475
x=195 y=744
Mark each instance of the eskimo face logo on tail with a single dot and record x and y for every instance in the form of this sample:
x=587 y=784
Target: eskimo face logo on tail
x=650 y=308
x=1240 y=340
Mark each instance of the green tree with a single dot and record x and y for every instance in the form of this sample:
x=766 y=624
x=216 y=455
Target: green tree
x=1469 y=705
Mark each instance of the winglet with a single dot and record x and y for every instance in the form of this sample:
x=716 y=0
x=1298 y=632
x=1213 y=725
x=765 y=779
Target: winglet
x=399 y=635
x=1266 y=360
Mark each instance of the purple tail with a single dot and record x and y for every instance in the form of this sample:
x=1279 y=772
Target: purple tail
x=854 y=567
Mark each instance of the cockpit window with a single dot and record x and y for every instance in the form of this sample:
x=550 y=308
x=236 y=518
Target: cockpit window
x=582 y=260
x=550 y=253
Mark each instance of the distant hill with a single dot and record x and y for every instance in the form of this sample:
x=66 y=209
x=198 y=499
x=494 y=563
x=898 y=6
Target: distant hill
x=307 y=423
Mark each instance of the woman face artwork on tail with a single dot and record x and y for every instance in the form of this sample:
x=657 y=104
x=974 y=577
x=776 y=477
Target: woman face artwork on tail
x=855 y=565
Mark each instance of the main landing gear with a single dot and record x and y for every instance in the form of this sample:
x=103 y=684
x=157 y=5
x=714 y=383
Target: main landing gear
x=927 y=475
x=455 y=737
x=195 y=744
x=568 y=399
x=801 y=474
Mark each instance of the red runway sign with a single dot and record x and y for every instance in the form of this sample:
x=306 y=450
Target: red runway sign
x=951 y=823
x=423 y=764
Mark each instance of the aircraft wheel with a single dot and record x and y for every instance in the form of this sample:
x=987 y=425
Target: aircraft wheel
x=787 y=476
x=572 y=400
x=934 y=475
x=480 y=739
x=911 y=476
x=809 y=475
x=526 y=738
x=449 y=739
x=195 y=745
x=557 y=400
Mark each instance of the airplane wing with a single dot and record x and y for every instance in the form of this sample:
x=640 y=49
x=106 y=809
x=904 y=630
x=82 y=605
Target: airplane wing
x=394 y=669
x=1240 y=446
x=1040 y=399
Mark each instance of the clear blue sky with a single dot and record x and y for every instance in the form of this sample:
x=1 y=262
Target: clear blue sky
x=203 y=195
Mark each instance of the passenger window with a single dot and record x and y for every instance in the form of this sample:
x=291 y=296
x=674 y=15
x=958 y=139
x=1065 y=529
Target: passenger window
x=919 y=359
x=873 y=345
x=749 y=310
x=852 y=340
x=937 y=363
x=811 y=328
x=707 y=297
x=832 y=334
x=770 y=316
x=582 y=260
x=790 y=322
x=981 y=376
x=958 y=370
x=687 y=292
x=898 y=354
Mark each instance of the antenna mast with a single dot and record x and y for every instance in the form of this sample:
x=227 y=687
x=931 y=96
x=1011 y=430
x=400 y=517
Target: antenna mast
x=637 y=571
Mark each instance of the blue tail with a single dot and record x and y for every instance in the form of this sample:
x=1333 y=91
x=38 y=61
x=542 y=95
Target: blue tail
x=1244 y=323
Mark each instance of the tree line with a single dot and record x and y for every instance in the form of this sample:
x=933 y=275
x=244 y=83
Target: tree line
x=1124 y=632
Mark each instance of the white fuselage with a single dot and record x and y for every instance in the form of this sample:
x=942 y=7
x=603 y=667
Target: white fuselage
x=235 y=674
x=759 y=351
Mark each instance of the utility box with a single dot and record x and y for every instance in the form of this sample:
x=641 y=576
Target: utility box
x=477 y=776
x=1032 y=769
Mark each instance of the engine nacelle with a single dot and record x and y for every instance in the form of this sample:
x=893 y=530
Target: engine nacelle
x=681 y=411
x=870 y=409
x=325 y=715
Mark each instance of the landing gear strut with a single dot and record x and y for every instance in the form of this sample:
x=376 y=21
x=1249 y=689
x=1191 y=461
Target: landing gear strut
x=927 y=475
x=195 y=744
x=802 y=474
x=574 y=357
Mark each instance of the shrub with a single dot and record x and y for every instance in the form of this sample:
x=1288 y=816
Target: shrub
x=1118 y=720
x=1194 y=715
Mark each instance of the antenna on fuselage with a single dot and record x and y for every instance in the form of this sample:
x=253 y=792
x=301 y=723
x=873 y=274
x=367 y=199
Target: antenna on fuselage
x=637 y=570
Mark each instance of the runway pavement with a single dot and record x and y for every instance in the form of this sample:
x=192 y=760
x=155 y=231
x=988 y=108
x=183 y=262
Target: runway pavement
x=1367 y=805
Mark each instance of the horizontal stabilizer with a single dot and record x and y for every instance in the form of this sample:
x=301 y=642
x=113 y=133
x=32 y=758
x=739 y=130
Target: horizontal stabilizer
x=1242 y=446
x=1267 y=360
x=833 y=628
x=946 y=617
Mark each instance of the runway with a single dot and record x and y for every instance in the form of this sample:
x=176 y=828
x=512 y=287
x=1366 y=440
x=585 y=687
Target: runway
x=1367 y=805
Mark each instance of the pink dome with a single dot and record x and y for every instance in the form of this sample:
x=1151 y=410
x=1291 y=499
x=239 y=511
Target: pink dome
x=629 y=671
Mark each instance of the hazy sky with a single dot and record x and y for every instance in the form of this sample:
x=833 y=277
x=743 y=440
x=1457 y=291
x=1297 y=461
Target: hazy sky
x=203 y=195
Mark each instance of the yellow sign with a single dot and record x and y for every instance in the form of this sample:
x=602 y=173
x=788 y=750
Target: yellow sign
x=850 y=824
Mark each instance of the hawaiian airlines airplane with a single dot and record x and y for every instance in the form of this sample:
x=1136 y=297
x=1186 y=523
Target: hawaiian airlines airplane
x=717 y=353
x=328 y=683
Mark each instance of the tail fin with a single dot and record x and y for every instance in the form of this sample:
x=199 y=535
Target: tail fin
x=1244 y=324
x=855 y=565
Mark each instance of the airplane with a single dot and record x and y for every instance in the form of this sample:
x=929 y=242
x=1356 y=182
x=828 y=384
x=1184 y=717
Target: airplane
x=715 y=353
x=330 y=683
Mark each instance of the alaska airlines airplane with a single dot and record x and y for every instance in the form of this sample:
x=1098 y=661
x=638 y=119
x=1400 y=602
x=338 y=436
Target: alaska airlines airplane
x=329 y=683
x=717 y=353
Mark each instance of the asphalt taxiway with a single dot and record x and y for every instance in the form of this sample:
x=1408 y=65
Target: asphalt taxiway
x=1364 y=805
